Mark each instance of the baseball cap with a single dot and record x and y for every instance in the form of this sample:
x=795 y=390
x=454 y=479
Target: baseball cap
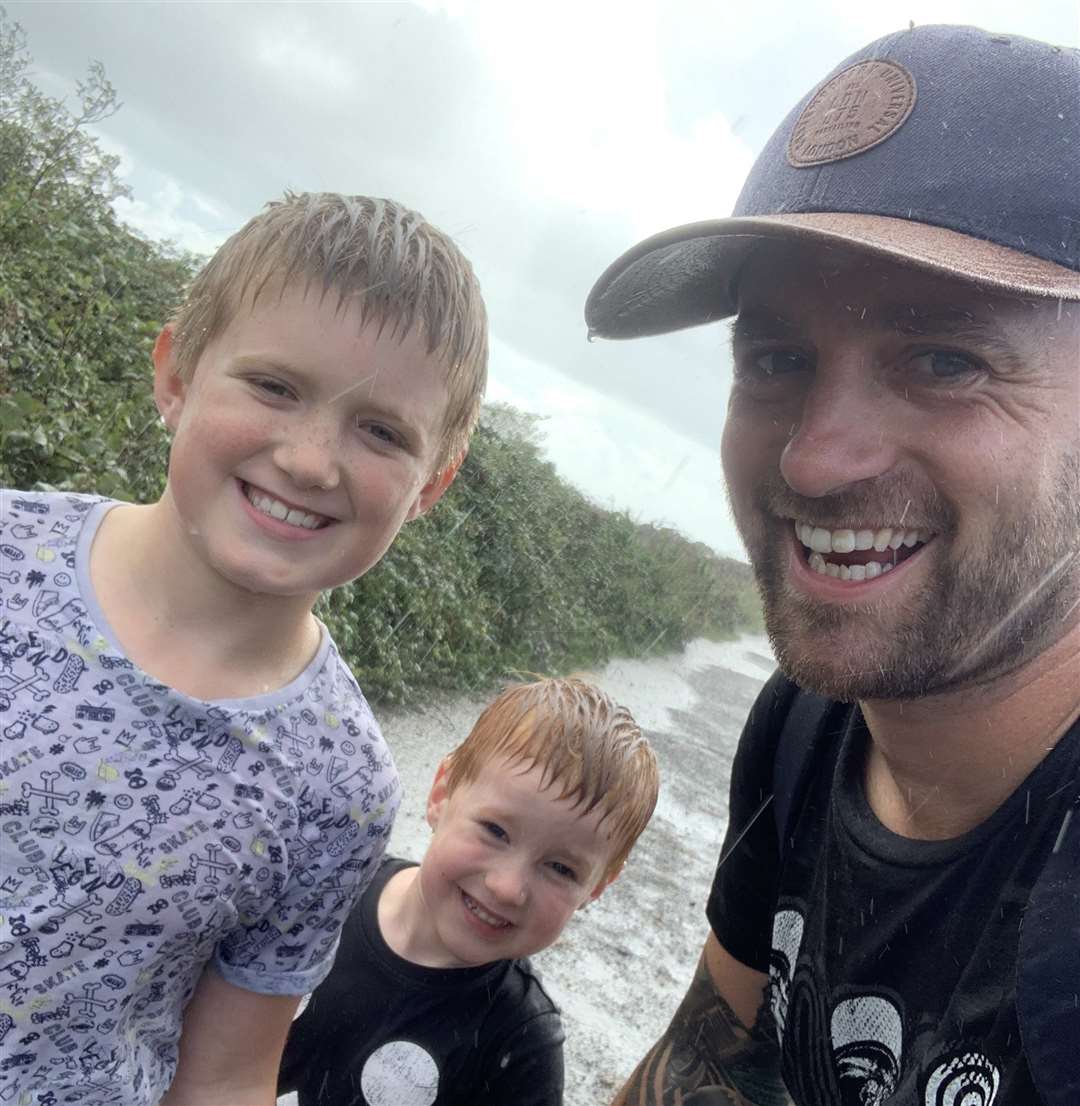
x=947 y=148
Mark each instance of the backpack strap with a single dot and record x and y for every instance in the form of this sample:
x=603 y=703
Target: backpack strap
x=1048 y=955
x=800 y=731
x=1048 y=971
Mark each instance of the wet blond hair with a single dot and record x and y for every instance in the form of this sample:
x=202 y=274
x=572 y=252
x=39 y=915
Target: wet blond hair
x=587 y=746
x=400 y=271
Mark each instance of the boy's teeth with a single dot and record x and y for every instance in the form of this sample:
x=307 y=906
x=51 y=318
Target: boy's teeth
x=276 y=509
x=483 y=915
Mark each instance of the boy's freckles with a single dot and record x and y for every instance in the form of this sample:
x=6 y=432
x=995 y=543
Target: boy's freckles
x=508 y=865
x=293 y=477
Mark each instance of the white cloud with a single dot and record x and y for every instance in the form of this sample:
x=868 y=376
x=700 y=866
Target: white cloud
x=587 y=89
x=161 y=208
x=621 y=457
x=289 y=49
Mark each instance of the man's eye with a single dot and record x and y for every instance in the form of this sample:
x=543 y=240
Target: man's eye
x=945 y=366
x=778 y=362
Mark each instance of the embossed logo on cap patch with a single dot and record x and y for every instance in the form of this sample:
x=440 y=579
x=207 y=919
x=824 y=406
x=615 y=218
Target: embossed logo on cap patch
x=860 y=107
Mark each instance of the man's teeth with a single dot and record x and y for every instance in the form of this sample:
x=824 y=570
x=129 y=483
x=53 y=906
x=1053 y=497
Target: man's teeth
x=820 y=540
x=869 y=571
x=276 y=509
x=483 y=915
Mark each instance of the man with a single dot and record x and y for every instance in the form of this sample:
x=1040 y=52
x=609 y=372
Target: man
x=902 y=452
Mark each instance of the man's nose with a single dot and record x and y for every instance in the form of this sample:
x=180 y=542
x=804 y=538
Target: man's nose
x=842 y=434
x=309 y=454
x=508 y=882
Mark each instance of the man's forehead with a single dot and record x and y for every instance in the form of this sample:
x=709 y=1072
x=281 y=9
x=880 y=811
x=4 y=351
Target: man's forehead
x=781 y=286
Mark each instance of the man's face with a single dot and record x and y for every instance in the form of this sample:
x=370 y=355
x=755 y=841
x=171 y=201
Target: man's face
x=903 y=460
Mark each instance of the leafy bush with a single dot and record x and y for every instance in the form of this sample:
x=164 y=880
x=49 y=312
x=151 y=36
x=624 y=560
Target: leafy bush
x=514 y=571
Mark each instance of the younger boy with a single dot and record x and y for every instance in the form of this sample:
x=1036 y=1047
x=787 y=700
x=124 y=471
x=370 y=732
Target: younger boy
x=189 y=773
x=430 y=1001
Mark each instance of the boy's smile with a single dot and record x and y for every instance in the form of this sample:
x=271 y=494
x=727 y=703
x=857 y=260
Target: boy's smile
x=302 y=443
x=507 y=867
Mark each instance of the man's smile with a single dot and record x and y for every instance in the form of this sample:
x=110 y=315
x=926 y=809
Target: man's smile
x=857 y=554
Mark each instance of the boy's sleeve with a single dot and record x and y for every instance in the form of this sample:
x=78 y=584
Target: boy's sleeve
x=328 y=845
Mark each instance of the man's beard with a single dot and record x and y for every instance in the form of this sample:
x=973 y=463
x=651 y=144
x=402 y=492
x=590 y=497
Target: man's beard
x=983 y=612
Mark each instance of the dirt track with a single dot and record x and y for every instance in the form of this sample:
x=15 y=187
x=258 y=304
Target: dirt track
x=622 y=965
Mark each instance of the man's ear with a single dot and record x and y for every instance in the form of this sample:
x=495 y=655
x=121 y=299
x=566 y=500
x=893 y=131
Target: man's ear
x=170 y=389
x=439 y=793
x=433 y=490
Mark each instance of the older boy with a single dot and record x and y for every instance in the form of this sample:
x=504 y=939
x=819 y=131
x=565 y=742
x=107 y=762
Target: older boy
x=190 y=773
x=431 y=1002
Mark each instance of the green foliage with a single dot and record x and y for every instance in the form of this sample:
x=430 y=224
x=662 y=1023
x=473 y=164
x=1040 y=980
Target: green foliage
x=515 y=570
x=81 y=296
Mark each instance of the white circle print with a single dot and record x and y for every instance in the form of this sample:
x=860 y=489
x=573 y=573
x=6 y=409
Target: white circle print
x=400 y=1073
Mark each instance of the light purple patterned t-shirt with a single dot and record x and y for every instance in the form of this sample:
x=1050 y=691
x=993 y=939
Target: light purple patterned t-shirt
x=144 y=833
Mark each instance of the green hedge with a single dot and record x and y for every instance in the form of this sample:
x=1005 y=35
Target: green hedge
x=514 y=571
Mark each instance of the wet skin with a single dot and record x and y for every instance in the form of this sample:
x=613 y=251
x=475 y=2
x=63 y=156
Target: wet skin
x=869 y=395
x=299 y=403
x=508 y=865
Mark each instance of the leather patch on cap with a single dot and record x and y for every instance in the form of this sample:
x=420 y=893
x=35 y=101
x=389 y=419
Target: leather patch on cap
x=860 y=107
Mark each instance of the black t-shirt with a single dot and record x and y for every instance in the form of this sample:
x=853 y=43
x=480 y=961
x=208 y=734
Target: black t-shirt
x=892 y=962
x=382 y=1031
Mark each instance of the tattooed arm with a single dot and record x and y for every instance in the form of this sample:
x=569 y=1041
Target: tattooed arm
x=720 y=1049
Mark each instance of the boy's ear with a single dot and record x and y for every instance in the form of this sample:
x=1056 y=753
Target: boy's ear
x=438 y=794
x=601 y=887
x=433 y=490
x=170 y=389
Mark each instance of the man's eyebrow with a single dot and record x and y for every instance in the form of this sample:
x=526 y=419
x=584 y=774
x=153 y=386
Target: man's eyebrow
x=938 y=319
x=916 y=320
x=759 y=322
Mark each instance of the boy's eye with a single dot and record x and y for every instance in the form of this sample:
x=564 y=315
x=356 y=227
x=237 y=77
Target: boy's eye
x=272 y=387
x=382 y=433
x=563 y=870
x=494 y=829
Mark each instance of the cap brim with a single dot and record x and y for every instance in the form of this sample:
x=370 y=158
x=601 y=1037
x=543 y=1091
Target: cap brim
x=686 y=276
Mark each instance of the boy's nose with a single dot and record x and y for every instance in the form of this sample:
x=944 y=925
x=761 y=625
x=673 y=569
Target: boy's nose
x=507 y=883
x=310 y=460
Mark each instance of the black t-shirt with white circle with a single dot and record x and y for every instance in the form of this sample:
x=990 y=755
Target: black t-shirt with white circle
x=382 y=1031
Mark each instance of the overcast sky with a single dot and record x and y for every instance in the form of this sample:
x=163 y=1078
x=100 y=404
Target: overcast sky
x=546 y=138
